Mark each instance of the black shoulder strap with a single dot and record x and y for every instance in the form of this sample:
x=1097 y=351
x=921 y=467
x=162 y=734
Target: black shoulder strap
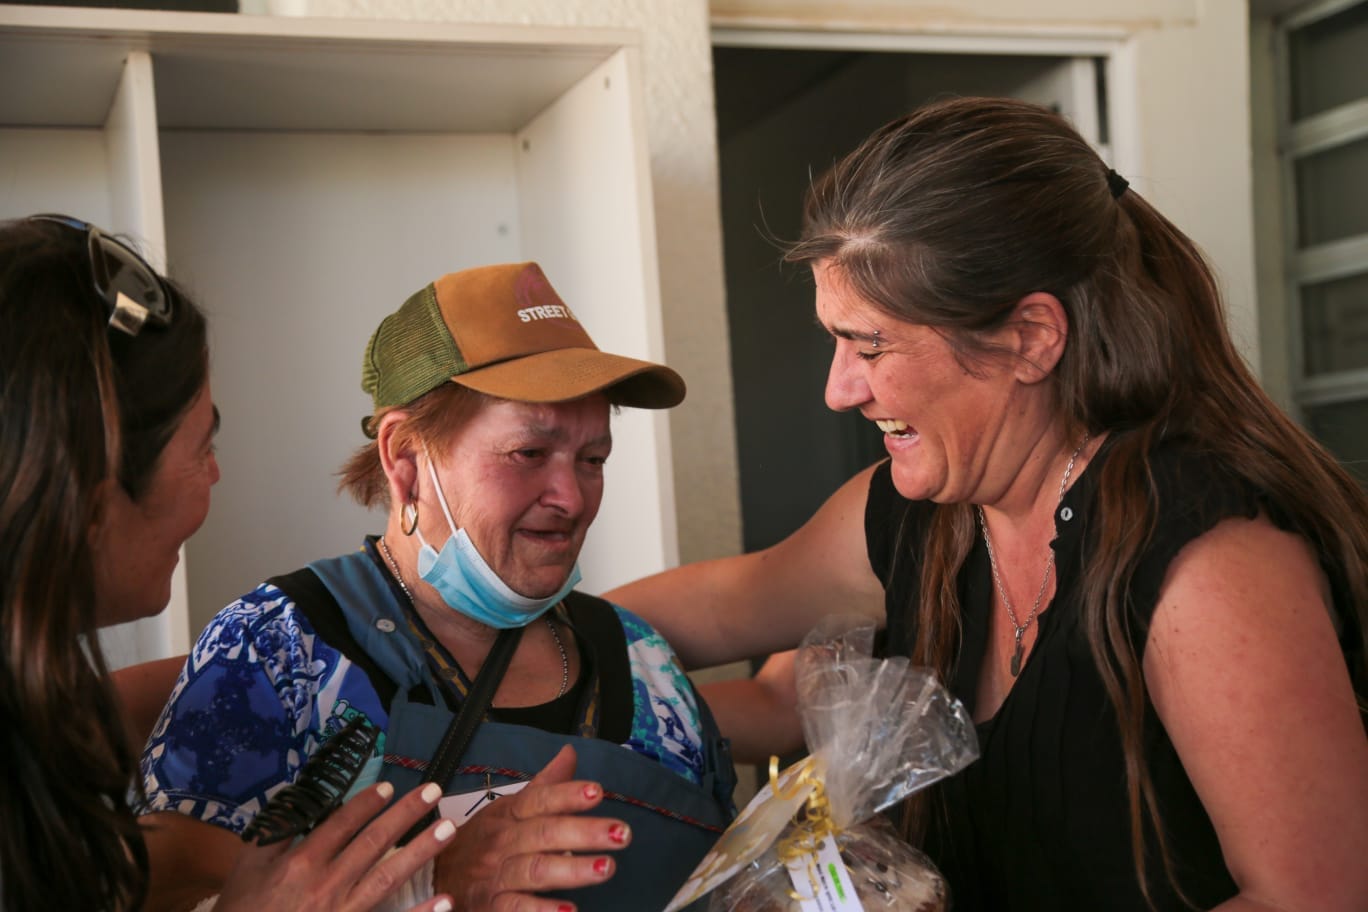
x=454 y=742
x=316 y=602
x=462 y=728
x=719 y=771
x=596 y=621
x=597 y=625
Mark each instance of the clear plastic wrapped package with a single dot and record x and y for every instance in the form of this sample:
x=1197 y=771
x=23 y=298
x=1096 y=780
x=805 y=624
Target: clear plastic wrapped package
x=886 y=873
x=810 y=841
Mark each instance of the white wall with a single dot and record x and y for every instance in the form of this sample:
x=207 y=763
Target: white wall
x=1194 y=123
x=677 y=71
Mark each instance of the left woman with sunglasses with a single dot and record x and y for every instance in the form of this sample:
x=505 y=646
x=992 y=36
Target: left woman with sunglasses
x=106 y=460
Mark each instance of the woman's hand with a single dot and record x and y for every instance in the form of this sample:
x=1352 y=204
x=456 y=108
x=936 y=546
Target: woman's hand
x=525 y=844
x=342 y=865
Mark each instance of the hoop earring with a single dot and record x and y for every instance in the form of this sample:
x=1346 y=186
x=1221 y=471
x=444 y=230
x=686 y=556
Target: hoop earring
x=408 y=518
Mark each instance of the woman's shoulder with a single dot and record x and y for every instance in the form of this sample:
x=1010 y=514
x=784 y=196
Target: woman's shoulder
x=666 y=724
x=635 y=627
x=649 y=650
x=1196 y=473
x=241 y=618
x=1193 y=489
x=263 y=626
x=651 y=660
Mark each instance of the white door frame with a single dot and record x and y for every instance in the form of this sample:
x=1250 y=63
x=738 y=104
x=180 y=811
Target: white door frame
x=1112 y=44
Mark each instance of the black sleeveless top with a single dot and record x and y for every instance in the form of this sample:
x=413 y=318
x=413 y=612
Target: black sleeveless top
x=1041 y=819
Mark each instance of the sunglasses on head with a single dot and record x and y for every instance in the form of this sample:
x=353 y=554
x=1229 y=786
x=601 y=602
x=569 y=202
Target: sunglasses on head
x=131 y=290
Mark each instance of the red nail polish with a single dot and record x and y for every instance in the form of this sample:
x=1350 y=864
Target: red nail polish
x=600 y=866
x=618 y=833
x=563 y=907
x=591 y=792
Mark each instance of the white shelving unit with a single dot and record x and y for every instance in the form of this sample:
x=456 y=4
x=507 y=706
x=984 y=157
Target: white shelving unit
x=302 y=177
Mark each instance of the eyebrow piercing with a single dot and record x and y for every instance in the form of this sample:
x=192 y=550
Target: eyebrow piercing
x=874 y=342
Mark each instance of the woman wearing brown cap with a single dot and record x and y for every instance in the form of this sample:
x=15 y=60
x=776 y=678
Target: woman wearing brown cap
x=562 y=730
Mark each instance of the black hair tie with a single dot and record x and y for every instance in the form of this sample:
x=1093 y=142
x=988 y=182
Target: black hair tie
x=322 y=784
x=1116 y=183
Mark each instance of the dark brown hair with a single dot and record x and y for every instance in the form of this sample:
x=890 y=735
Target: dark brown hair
x=949 y=216
x=80 y=404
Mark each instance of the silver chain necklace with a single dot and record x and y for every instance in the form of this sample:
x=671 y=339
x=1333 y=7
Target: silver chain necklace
x=565 y=658
x=1015 y=666
x=550 y=624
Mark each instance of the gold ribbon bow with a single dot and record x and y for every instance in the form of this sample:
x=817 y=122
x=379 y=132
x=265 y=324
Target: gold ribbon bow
x=811 y=825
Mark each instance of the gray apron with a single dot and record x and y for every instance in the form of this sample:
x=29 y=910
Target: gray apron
x=674 y=822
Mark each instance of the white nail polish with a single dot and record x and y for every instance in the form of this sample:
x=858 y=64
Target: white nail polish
x=444 y=830
x=443 y=905
x=385 y=790
x=431 y=792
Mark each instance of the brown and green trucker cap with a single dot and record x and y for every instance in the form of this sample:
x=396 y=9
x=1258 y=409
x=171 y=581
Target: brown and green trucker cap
x=503 y=331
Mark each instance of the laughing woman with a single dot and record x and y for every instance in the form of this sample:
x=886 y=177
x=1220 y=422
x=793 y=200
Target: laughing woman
x=1145 y=581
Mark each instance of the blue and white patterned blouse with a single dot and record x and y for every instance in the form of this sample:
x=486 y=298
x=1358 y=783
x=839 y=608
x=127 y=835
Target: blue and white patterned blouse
x=261 y=690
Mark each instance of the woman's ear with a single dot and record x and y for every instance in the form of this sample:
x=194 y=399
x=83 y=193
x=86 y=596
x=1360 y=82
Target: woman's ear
x=1039 y=329
x=398 y=457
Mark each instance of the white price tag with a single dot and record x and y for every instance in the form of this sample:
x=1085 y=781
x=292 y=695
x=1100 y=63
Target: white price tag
x=753 y=831
x=460 y=808
x=822 y=882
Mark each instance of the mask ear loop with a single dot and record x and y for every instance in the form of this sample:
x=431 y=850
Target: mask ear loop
x=441 y=497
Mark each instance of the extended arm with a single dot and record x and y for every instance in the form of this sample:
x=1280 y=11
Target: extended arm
x=1245 y=672
x=143 y=690
x=719 y=611
x=758 y=714
x=190 y=860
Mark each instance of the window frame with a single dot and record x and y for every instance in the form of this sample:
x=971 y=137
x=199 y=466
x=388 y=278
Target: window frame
x=1339 y=259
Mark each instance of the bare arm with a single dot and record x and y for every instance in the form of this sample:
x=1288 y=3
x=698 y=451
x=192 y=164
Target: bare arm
x=190 y=860
x=143 y=691
x=758 y=714
x=1246 y=674
x=719 y=611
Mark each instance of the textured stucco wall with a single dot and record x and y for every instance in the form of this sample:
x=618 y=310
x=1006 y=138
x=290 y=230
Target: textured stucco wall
x=681 y=136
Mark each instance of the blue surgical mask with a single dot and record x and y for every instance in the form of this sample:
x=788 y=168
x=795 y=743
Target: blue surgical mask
x=469 y=585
